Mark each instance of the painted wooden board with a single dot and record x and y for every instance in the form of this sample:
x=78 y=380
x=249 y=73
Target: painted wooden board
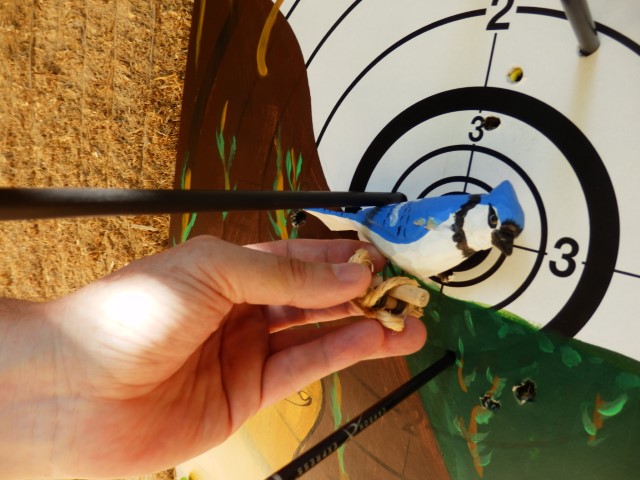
x=375 y=95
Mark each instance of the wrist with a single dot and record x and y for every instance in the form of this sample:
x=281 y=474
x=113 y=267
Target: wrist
x=30 y=393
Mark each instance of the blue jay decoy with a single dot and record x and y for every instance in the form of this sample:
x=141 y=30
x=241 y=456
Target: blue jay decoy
x=432 y=235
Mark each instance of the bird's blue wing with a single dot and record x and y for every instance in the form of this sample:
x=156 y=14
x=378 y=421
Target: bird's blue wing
x=403 y=222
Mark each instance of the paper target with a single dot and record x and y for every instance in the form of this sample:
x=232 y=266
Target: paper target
x=446 y=97
x=431 y=98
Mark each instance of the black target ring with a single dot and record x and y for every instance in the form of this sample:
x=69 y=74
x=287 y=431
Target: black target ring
x=576 y=148
x=444 y=181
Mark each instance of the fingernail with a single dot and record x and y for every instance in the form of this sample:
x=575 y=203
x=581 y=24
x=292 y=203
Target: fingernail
x=348 y=272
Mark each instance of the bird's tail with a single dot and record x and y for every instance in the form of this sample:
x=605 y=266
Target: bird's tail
x=336 y=221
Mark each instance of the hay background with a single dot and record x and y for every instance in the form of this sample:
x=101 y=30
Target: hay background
x=90 y=96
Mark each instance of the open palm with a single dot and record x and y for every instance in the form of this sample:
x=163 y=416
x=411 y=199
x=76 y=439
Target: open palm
x=167 y=357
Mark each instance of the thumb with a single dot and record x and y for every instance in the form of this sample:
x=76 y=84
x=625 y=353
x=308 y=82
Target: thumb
x=244 y=275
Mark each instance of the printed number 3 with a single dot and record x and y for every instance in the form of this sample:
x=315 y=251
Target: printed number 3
x=477 y=133
x=569 y=263
x=493 y=23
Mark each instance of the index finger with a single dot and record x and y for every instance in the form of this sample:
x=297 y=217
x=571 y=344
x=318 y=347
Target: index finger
x=325 y=251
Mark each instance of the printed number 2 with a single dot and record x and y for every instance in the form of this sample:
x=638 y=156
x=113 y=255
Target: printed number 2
x=493 y=23
x=569 y=263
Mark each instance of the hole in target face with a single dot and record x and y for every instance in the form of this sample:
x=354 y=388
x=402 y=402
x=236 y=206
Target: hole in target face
x=515 y=75
x=491 y=123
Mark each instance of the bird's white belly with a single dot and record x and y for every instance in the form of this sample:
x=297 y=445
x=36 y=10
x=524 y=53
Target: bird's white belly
x=434 y=253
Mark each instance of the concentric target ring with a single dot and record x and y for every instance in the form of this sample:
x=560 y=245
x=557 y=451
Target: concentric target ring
x=577 y=150
x=443 y=181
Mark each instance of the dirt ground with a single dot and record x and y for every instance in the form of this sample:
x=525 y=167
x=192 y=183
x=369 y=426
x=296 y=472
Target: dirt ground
x=90 y=96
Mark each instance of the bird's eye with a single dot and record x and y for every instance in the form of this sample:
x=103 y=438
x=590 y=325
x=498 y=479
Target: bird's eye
x=493 y=218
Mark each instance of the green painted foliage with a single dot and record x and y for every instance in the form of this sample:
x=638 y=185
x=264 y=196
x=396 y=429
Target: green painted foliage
x=614 y=407
x=274 y=225
x=299 y=167
x=469 y=379
x=220 y=143
x=483 y=417
x=184 y=171
x=510 y=328
x=596 y=441
x=288 y=165
x=500 y=387
x=232 y=153
x=570 y=357
x=187 y=231
x=468 y=320
x=485 y=460
x=478 y=437
x=587 y=423
x=545 y=344
x=434 y=315
x=627 y=380
x=458 y=427
x=489 y=375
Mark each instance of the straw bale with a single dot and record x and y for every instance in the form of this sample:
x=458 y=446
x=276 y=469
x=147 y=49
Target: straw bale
x=90 y=96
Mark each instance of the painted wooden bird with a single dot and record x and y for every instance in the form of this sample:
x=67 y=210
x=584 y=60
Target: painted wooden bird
x=430 y=236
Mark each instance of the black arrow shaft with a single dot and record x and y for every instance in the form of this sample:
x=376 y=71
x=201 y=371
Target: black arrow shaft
x=330 y=444
x=35 y=203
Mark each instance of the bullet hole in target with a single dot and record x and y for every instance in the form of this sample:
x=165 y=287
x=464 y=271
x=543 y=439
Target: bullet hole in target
x=491 y=123
x=525 y=392
x=489 y=402
x=298 y=218
x=515 y=75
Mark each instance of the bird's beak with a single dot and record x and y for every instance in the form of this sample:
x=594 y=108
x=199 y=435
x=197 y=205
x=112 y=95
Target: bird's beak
x=503 y=238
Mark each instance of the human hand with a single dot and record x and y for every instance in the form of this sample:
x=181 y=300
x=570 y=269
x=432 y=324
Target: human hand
x=165 y=358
